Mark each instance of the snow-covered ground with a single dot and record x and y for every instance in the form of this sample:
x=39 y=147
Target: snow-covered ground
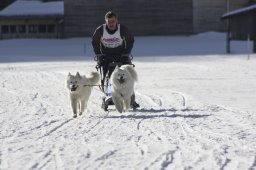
x=197 y=107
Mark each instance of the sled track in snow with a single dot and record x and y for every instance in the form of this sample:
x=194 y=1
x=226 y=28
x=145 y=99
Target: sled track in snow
x=158 y=101
x=55 y=128
x=184 y=102
x=42 y=161
x=169 y=131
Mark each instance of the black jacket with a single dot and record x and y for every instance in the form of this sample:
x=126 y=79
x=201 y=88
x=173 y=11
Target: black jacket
x=126 y=47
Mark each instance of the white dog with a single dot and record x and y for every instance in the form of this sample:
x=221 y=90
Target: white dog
x=122 y=86
x=80 y=88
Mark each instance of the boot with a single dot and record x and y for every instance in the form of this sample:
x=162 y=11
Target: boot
x=134 y=104
x=106 y=101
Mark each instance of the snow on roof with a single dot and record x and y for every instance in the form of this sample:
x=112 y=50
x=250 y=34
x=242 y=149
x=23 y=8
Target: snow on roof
x=239 y=11
x=21 y=8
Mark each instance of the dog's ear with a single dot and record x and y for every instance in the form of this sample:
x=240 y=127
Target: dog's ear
x=69 y=74
x=117 y=67
x=78 y=75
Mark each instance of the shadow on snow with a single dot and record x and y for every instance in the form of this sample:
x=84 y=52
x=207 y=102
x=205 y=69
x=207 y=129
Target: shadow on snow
x=165 y=115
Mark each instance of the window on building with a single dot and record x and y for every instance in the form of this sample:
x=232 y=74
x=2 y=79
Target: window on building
x=42 y=28
x=5 y=29
x=51 y=28
x=13 y=28
x=33 y=28
x=21 y=28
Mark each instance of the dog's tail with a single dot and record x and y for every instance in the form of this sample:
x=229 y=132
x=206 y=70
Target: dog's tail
x=94 y=78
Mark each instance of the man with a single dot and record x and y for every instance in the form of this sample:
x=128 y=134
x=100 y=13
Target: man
x=112 y=42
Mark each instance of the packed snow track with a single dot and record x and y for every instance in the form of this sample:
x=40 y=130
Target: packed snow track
x=175 y=128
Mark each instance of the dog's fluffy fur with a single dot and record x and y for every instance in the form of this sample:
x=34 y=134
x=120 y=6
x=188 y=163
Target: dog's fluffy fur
x=80 y=88
x=122 y=86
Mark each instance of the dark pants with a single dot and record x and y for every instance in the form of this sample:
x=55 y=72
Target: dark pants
x=108 y=63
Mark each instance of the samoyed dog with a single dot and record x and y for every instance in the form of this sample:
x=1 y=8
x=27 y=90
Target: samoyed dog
x=80 y=88
x=122 y=86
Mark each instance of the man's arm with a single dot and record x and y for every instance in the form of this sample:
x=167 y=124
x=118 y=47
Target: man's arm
x=128 y=40
x=96 y=40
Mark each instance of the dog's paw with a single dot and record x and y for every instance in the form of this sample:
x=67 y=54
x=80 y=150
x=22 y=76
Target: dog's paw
x=75 y=116
x=119 y=109
x=80 y=113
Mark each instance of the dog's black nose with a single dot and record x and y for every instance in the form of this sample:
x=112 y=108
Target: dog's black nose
x=73 y=87
x=121 y=79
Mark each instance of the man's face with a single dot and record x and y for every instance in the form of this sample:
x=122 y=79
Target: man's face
x=111 y=23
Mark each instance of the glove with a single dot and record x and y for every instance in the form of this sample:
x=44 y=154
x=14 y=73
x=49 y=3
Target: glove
x=126 y=59
x=99 y=59
x=125 y=55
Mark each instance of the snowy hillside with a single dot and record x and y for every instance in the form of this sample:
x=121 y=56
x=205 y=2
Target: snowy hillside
x=197 y=107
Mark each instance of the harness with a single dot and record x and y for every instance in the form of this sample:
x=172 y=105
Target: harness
x=111 y=65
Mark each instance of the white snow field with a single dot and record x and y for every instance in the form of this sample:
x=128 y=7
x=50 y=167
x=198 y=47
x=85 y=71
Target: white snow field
x=197 y=107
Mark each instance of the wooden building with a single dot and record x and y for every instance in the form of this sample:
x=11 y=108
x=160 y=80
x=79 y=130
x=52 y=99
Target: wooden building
x=76 y=18
x=149 y=17
x=142 y=17
x=32 y=19
x=207 y=13
x=241 y=25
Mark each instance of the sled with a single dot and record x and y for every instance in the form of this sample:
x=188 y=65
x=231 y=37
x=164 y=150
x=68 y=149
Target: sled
x=105 y=86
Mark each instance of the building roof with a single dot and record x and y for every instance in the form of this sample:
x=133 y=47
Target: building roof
x=27 y=8
x=239 y=11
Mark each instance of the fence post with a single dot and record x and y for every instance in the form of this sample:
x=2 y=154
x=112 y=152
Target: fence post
x=248 y=46
x=254 y=45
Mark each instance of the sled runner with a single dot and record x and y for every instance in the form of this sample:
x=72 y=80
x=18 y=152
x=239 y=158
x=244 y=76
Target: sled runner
x=106 y=68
